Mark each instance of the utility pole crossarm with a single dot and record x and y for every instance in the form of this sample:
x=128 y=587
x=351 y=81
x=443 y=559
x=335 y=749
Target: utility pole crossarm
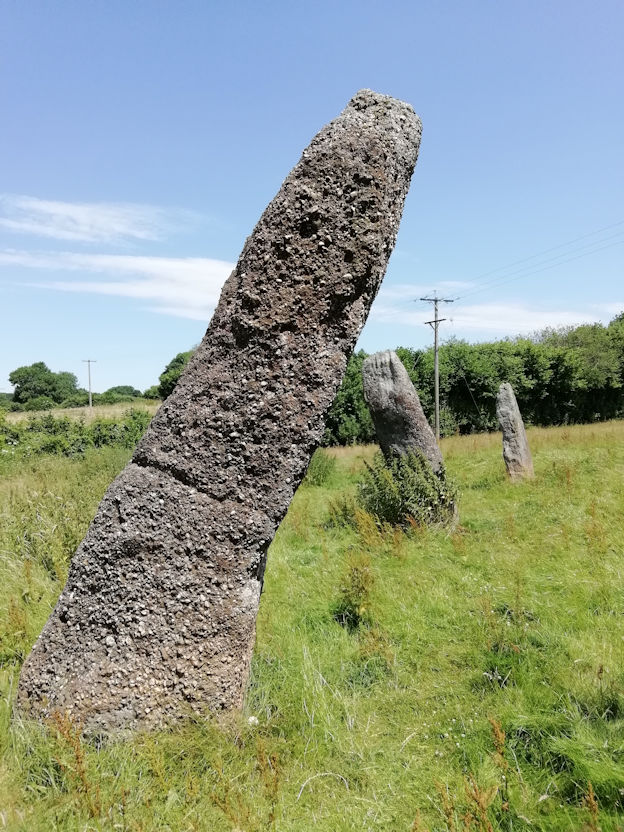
x=434 y=324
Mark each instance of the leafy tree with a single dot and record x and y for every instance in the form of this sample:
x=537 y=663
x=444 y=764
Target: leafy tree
x=172 y=372
x=65 y=385
x=38 y=380
x=35 y=380
x=596 y=352
x=348 y=421
x=616 y=334
x=152 y=392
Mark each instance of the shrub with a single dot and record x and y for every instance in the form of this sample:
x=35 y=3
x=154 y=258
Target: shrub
x=40 y=403
x=50 y=424
x=48 y=434
x=110 y=398
x=404 y=489
x=342 y=509
x=125 y=390
x=353 y=606
x=78 y=399
x=135 y=423
x=126 y=432
x=9 y=433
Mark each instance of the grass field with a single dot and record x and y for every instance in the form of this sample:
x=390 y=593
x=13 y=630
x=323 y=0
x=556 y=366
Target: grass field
x=480 y=686
x=102 y=411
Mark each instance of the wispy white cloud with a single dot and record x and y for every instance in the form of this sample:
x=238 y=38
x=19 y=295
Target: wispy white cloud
x=495 y=319
x=517 y=318
x=187 y=287
x=99 y=222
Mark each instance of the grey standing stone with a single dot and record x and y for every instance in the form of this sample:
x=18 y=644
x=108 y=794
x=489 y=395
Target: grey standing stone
x=400 y=423
x=157 y=620
x=516 y=452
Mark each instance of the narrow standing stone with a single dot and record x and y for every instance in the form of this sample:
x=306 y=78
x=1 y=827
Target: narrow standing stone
x=516 y=452
x=400 y=423
x=157 y=620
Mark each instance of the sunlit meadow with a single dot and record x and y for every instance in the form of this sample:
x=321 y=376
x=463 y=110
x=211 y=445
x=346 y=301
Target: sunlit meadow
x=477 y=681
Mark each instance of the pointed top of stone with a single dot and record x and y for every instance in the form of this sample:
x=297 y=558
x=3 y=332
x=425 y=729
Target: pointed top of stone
x=365 y=98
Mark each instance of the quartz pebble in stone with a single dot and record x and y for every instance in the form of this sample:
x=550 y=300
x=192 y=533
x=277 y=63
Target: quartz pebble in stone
x=400 y=423
x=516 y=451
x=157 y=620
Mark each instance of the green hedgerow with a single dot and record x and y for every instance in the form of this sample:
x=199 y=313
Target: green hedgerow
x=404 y=489
x=61 y=436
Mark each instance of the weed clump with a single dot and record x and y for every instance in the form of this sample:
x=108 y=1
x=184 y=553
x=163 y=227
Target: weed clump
x=321 y=468
x=342 y=510
x=353 y=605
x=403 y=490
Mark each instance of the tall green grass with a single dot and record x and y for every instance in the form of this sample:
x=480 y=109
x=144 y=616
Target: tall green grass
x=479 y=686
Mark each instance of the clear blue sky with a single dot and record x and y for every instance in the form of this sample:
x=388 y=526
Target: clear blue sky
x=141 y=141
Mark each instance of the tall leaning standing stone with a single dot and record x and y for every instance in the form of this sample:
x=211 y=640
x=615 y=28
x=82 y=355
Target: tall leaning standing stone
x=157 y=620
x=400 y=423
x=516 y=452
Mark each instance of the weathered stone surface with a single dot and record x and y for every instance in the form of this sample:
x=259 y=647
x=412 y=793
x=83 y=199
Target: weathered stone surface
x=157 y=620
x=516 y=452
x=400 y=423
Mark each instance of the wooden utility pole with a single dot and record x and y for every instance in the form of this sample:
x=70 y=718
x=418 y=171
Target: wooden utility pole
x=89 y=362
x=435 y=300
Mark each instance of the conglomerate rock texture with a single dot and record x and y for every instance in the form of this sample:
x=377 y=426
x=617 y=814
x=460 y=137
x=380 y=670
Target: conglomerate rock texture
x=157 y=620
x=516 y=451
x=400 y=423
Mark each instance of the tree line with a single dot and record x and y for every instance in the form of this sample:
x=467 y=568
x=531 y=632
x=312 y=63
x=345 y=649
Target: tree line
x=37 y=388
x=560 y=376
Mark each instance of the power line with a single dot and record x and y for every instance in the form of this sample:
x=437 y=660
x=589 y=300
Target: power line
x=530 y=272
x=474 y=401
x=535 y=268
x=552 y=248
x=559 y=259
x=594 y=247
